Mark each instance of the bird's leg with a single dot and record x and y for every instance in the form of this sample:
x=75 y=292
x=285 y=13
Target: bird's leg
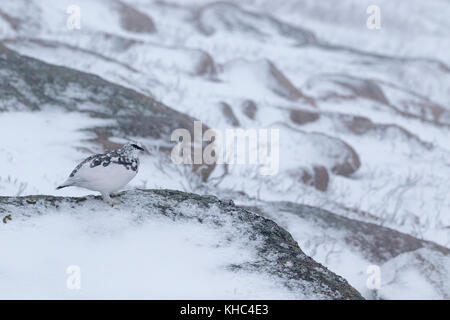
x=107 y=198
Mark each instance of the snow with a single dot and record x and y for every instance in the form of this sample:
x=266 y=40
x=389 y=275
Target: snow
x=421 y=274
x=401 y=183
x=128 y=254
x=30 y=141
x=326 y=249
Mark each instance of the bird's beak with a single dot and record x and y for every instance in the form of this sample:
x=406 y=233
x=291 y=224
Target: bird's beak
x=144 y=150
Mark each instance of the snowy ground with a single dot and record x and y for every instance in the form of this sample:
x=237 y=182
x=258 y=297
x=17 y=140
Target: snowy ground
x=383 y=93
x=121 y=258
x=164 y=244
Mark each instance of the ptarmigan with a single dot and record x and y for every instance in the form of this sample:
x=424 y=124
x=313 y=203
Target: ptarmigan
x=107 y=172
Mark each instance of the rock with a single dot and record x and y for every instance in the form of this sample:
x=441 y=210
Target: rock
x=224 y=16
x=302 y=116
x=275 y=251
x=206 y=65
x=43 y=85
x=319 y=179
x=431 y=266
x=284 y=87
x=265 y=74
x=38 y=85
x=358 y=125
x=134 y=20
x=249 y=108
x=339 y=241
x=349 y=165
x=361 y=125
x=345 y=160
x=13 y=22
x=377 y=243
x=365 y=88
x=229 y=114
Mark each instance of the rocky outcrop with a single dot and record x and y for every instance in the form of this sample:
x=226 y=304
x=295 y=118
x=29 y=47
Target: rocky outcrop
x=302 y=117
x=318 y=178
x=376 y=243
x=27 y=84
x=249 y=108
x=276 y=252
x=38 y=85
x=240 y=71
x=229 y=114
x=359 y=122
x=335 y=240
x=221 y=15
x=133 y=20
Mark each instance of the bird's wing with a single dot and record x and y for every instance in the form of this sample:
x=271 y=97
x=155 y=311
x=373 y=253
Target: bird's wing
x=83 y=163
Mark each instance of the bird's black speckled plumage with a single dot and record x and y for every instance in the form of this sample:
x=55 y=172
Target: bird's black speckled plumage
x=121 y=156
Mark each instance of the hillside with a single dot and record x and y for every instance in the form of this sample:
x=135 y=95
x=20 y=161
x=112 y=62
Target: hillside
x=363 y=118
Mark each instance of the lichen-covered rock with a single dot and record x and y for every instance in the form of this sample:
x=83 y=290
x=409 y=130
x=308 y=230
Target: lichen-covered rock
x=348 y=246
x=27 y=84
x=274 y=252
x=377 y=243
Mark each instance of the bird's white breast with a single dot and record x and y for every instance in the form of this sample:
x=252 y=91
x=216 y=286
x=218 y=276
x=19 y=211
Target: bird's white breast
x=104 y=179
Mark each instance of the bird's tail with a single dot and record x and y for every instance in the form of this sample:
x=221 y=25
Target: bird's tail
x=64 y=185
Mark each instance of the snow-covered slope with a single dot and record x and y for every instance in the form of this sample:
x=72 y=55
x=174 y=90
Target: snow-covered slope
x=47 y=106
x=364 y=115
x=351 y=247
x=385 y=97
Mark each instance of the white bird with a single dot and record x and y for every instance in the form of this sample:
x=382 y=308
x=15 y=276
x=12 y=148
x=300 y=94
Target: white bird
x=107 y=172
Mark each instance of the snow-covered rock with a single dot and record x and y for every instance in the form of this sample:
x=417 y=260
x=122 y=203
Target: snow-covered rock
x=155 y=244
x=409 y=268
x=363 y=114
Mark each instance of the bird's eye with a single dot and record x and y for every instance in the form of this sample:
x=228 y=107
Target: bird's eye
x=137 y=147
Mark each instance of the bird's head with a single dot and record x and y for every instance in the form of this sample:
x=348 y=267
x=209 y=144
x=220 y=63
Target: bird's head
x=134 y=147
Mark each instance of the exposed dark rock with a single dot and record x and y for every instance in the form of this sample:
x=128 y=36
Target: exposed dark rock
x=284 y=86
x=349 y=165
x=318 y=179
x=361 y=125
x=302 y=116
x=365 y=88
x=349 y=161
x=408 y=103
x=355 y=87
x=231 y=17
x=249 y=109
x=358 y=124
x=134 y=20
x=206 y=66
x=273 y=79
x=56 y=44
x=229 y=114
x=28 y=84
x=377 y=243
x=13 y=22
x=428 y=111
